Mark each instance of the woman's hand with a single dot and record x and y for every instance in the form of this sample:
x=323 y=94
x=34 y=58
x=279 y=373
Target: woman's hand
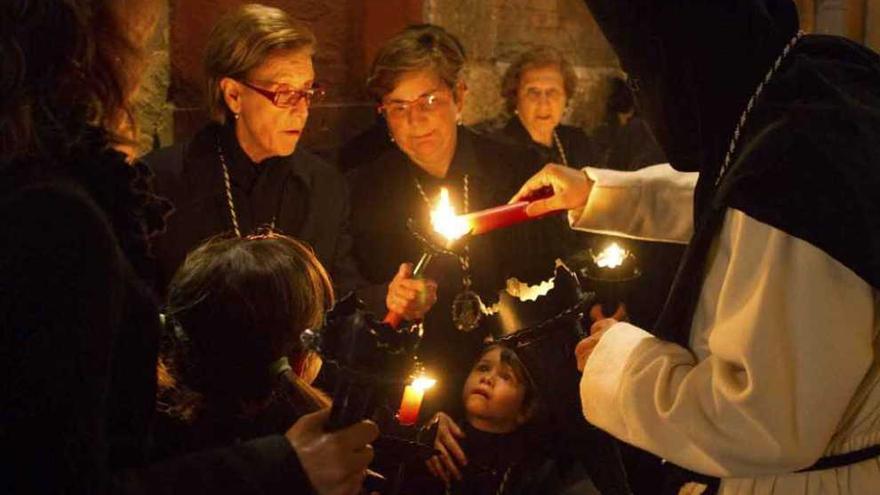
x=410 y=297
x=336 y=462
x=571 y=189
x=446 y=465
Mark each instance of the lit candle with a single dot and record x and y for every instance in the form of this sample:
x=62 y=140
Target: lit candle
x=449 y=225
x=412 y=400
x=611 y=257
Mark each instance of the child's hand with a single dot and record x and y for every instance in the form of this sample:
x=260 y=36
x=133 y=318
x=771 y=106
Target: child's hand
x=446 y=465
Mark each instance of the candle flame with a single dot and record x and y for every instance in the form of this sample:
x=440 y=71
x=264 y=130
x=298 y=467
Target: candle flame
x=445 y=221
x=612 y=257
x=423 y=382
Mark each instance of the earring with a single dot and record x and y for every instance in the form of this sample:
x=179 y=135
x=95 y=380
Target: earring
x=237 y=116
x=458 y=120
x=391 y=137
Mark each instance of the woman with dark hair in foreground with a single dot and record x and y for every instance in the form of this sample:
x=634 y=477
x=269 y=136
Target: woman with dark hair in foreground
x=232 y=360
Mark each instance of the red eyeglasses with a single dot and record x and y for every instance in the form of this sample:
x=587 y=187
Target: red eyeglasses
x=285 y=97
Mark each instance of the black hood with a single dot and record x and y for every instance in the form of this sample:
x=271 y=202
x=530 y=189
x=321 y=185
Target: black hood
x=694 y=64
x=807 y=161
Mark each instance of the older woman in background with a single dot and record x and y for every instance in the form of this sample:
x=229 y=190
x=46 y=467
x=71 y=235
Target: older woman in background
x=244 y=170
x=537 y=88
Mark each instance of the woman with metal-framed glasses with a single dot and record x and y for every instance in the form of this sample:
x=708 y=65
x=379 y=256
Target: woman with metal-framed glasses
x=244 y=171
x=416 y=80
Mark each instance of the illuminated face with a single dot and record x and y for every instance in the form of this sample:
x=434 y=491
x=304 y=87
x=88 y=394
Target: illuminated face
x=493 y=395
x=540 y=101
x=263 y=128
x=422 y=113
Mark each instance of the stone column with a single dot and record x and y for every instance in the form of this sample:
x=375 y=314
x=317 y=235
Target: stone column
x=872 y=25
x=153 y=112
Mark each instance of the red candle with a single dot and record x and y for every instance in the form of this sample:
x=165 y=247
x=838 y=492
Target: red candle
x=504 y=216
x=412 y=400
x=496 y=218
x=409 y=406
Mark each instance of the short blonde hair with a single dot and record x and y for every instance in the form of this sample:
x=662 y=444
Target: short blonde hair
x=241 y=41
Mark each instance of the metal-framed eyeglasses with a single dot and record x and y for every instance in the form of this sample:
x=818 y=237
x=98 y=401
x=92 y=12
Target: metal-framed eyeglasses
x=398 y=109
x=285 y=97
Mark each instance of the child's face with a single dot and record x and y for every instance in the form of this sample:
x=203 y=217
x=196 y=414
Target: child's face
x=493 y=396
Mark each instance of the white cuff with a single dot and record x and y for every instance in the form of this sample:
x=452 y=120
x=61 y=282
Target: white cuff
x=604 y=374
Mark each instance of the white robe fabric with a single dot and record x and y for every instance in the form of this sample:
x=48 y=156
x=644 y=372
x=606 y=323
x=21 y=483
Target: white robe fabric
x=782 y=368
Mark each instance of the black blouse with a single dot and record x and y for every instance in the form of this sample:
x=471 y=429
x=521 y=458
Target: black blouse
x=303 y=196
x=580 y=151
x=385 y=195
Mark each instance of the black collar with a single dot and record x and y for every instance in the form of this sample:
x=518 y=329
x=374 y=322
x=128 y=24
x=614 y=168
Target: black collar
x=243 y=171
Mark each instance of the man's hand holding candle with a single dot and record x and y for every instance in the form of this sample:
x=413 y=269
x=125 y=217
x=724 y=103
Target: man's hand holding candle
x=571 y=189
x=410 y=297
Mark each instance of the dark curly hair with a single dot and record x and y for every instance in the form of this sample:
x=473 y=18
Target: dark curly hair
x=543 y=56
x=84 y=74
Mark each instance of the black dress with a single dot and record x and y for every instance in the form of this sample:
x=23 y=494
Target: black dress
x=80 y=337
x=580 y=150
x=385 y=195
x=302 y=195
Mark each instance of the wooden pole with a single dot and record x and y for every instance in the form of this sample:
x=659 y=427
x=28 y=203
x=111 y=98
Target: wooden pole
x=855 y=20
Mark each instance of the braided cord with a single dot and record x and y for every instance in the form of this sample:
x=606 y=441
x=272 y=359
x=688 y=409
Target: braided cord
x=745 y=115
x=228 y=185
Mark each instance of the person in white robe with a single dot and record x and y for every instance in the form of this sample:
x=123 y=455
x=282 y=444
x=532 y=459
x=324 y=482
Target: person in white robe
x=762 y=375
x=767 y=386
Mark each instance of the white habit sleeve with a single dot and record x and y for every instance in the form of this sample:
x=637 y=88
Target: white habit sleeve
x=782 y=337
x=654 y=203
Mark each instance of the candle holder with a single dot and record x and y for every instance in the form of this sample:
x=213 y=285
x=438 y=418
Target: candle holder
x=612 y=274
x=544 y=333
x=371 y=357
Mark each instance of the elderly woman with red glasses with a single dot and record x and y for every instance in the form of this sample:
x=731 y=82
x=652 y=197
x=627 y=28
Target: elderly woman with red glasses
x=243 y=171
